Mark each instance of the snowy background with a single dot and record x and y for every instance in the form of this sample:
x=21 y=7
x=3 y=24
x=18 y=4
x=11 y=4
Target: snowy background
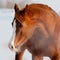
x=6 y=17
x=55 y=4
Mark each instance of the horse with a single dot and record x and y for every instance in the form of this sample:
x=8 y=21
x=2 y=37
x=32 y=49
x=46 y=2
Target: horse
x=36 y=28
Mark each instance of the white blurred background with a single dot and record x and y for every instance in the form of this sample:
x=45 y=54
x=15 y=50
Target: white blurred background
x=10 y=3
x=6 y=17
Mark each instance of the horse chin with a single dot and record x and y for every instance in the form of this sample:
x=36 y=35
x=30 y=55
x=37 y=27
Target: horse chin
x=17 y=50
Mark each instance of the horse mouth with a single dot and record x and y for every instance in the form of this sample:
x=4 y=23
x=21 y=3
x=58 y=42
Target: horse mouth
x=15 y=49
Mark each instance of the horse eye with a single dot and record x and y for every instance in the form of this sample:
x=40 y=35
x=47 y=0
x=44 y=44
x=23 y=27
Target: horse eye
x=18 y=24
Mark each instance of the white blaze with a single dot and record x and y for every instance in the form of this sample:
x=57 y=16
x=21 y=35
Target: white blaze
x=13 y=35
x=14 y=31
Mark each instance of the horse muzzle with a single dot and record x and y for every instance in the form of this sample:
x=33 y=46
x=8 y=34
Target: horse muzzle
x=13 y=48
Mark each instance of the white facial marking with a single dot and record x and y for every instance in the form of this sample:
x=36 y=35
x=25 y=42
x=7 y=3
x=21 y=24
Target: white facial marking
x=13 y=35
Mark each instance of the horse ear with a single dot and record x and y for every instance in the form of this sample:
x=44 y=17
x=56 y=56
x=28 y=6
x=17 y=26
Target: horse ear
x=16 y=7
x=26 y=5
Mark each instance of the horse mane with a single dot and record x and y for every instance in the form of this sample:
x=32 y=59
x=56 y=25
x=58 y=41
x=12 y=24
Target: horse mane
x=48 y=17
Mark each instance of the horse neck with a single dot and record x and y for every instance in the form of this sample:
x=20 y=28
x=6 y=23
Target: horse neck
x=57 y=28
x=47 y=29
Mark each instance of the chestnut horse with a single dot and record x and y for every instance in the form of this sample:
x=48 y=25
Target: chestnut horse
x=36 y=28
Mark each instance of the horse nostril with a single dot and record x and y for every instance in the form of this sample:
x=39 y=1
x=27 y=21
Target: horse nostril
x=10 y=46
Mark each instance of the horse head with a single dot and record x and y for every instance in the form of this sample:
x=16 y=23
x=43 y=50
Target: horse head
x=22 y=29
